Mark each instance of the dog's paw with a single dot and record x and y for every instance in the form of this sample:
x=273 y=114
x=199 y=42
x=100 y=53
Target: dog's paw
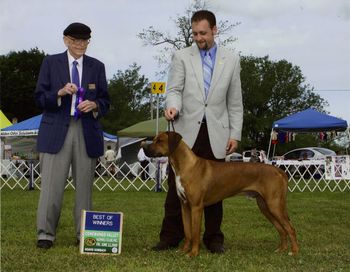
x=186 y=248
x=280 y=250
x=293 y=252
x=192 y=254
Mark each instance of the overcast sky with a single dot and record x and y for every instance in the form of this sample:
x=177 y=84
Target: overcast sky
x=312 y=34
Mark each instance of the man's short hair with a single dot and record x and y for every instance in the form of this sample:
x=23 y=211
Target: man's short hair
x=204 y=15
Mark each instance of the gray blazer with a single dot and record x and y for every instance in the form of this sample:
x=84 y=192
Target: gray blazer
x=223 y=108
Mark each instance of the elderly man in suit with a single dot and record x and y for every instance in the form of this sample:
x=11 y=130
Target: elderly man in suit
x=72 y=91
x=204 y=98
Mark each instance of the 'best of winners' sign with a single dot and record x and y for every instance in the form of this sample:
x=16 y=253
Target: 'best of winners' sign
x=101 y=232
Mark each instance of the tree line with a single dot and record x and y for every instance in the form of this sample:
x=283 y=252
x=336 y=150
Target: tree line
x=271 y=89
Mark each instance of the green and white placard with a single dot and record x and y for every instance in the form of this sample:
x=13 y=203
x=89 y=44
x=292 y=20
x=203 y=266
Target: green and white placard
x=101 y=232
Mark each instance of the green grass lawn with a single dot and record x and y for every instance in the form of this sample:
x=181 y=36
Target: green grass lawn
x=321 y=219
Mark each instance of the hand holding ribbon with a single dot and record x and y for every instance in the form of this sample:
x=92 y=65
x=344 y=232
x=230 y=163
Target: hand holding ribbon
x=87 y=106
x=79 y=99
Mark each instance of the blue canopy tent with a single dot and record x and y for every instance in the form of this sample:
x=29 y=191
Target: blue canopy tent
x=309 y=120
x=30 y=127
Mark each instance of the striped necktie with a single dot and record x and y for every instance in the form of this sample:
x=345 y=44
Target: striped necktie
x=207 y=72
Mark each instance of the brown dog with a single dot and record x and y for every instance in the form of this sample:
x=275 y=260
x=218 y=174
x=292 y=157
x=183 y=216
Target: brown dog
x=201 y=183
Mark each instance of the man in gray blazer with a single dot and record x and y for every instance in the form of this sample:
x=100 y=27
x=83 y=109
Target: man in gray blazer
x=204 y=98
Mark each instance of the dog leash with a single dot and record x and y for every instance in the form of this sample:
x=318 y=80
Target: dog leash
x=172 y=125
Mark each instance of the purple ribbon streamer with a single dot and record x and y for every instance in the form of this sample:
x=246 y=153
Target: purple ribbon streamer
x=79 y=99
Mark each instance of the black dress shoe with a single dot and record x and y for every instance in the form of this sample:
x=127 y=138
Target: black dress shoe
x=45 y=244
x=162 y=245
x=216 y=248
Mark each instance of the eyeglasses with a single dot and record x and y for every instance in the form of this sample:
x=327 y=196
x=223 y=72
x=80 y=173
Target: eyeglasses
x=79 y=41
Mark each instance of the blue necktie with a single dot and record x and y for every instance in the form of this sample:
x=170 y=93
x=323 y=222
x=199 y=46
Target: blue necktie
x=76 y=81
x=75 y=74
x=207 y=72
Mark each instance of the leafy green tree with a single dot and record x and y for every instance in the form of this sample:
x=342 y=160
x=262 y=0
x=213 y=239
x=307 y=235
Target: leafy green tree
x=19 y=74
x=272 y=90
x=130 y=96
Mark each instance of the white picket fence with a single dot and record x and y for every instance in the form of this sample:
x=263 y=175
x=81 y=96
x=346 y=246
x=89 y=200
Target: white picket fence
x=303 y=176
x=26 y=175
x=317 y=175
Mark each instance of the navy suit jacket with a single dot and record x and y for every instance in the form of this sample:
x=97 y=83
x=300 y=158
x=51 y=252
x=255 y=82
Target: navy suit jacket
x=54 y=74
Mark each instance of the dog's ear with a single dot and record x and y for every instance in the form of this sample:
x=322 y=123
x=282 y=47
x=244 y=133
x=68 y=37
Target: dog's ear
x=173 y=140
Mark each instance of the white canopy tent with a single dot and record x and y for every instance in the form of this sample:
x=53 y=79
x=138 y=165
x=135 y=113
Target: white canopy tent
x=30 y=127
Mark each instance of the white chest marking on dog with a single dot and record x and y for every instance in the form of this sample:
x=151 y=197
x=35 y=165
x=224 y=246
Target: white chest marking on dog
x=179 y=188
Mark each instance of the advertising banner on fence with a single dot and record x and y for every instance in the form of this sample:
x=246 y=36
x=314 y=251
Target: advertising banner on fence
x=101 y=232
x=337 y=167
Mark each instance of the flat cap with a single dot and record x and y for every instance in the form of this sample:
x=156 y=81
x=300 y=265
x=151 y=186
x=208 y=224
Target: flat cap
x=78 y=31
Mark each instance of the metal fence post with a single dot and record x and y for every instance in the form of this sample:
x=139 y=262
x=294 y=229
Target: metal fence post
x=158 y=187
x=31 y=176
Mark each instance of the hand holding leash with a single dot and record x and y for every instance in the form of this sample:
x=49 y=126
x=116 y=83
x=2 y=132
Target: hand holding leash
x=171 y=114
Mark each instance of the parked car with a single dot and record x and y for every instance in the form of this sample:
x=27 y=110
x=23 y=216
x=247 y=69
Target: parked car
x=234 y=157
x=307 y=153
x=254 y=156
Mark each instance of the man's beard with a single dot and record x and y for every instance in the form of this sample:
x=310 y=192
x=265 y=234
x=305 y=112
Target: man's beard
x=206 y=47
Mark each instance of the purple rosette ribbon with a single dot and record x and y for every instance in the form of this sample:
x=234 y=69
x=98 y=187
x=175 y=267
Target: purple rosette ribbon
x=79 y=99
